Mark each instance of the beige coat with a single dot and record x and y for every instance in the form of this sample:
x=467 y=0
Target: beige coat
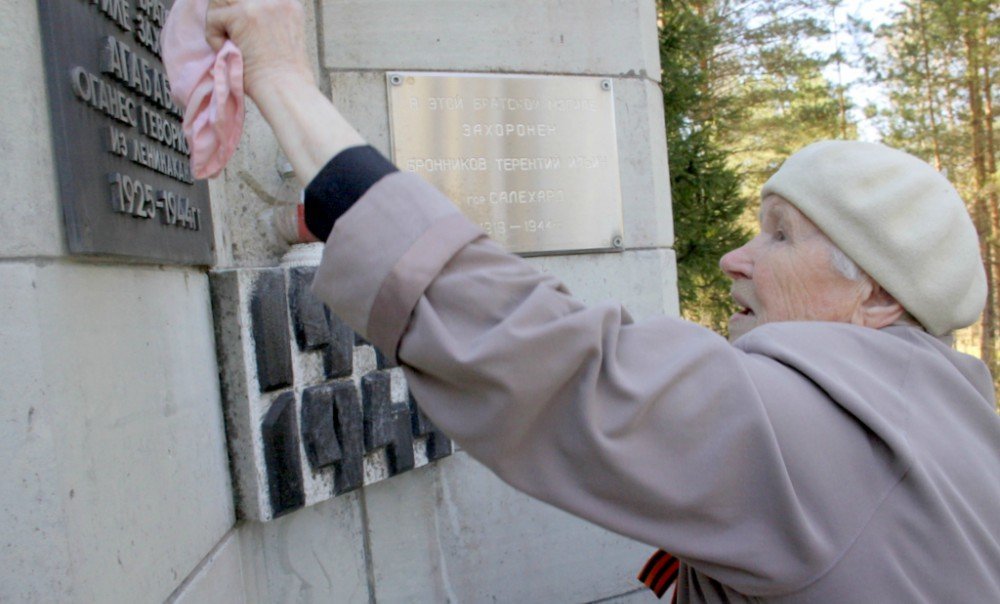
x=808 y=462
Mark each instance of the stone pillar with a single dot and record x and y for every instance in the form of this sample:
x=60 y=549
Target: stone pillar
x=115 y=481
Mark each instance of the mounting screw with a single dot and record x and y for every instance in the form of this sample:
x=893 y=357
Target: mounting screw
x=605 y=84
x=396 y=79
x=617 y=242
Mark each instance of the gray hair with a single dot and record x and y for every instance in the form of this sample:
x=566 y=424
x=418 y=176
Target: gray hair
x=844 y=265
x=850 y=270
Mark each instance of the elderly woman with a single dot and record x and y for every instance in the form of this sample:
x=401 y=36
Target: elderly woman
x=837 y=451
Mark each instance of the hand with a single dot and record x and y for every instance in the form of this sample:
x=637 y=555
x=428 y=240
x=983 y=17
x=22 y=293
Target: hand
x=269 y=34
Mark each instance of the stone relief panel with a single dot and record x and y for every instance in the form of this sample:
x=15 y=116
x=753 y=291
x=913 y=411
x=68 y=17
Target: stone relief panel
x=312 y=410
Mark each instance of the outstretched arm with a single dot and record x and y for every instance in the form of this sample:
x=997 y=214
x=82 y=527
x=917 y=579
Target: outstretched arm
x=279 y=79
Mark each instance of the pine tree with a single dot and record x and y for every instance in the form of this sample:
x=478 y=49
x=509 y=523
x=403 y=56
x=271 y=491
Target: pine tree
x=705 y=191
x=940 y=70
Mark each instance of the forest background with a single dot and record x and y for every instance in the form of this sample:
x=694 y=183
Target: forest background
x=746 y=83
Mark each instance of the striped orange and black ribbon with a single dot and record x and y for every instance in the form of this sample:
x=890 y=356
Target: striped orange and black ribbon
x=660 y=572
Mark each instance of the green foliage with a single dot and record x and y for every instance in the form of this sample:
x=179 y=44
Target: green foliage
x=705 y=192
x=938 y=67
x=924 y=69
x=778 y=81
x=707 y=212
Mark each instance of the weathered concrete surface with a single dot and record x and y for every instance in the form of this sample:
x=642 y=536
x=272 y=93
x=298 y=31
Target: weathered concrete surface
x=116 y=482
x=32 y=216
x=218 y=579
x=642 y=159
x=361 y=98
x=316 y=554
x=604 y=37
x=643 y=281
x=454 y=532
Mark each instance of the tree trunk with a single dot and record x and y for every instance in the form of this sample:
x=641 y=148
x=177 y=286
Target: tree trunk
x=929 y=84
x=990 y=197
x=983 y=219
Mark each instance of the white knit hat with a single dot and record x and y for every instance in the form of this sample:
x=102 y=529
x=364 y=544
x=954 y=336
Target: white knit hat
x=899 y=219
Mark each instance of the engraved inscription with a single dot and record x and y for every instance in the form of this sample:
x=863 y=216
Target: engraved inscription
x=122 y=157
x=505 y=104
x=141 y=200
x=446 y=103
x=524 y=164
x=128 y=68
x=593 y=162
x=150 y=17
x=125 y=65
x=445 y=164
x=118 y=12
x=532 y=160
x=540 y=196
x=159 y=128
x=155 y=158
x=498 y=129
x=105 y=97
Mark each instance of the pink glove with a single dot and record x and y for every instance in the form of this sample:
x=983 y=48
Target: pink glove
x=208 y=86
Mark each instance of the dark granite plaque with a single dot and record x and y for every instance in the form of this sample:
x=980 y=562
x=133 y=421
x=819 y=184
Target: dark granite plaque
x=319 y=435
x=281 y=454
x=124 y=173
x=269 y=322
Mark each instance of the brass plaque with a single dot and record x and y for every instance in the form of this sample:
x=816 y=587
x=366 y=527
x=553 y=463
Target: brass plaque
x=533 y=160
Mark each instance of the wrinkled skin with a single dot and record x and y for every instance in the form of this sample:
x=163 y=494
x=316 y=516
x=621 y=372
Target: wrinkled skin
x=785 y=274
x=270 y=35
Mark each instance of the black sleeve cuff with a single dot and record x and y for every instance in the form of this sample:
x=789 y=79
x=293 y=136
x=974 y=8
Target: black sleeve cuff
x=341 y=182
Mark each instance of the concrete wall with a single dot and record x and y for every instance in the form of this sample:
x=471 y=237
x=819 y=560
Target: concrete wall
x=115 y=476
x=117 y=484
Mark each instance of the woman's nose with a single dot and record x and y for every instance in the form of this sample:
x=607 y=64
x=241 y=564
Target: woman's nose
x=737 y=263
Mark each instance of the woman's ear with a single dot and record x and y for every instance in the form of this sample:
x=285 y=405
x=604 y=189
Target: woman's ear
x=879 y=309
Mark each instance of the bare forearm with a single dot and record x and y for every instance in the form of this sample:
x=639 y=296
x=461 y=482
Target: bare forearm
x=308 y=126
x=278 y=77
